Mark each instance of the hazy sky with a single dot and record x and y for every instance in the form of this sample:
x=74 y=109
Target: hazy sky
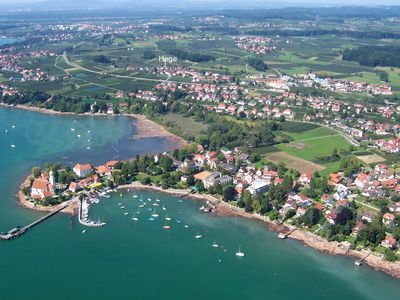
x=325 y=3
x=266 y=3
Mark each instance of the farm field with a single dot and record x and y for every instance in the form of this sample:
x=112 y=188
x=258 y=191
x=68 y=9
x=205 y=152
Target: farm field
x=371 y=158
x=292 y=162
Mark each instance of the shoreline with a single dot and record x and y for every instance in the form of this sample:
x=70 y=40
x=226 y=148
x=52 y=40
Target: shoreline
x=307 y=238
x=147 y=129
x=224 y=209
x=23 y=201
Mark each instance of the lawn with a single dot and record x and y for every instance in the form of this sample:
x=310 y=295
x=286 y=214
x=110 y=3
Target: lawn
x=297 y=126
x=310 y=134
x=314 y=148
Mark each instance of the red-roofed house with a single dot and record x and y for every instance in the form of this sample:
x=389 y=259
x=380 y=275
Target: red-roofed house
x=82 y=170
x=305 y=178
x=361 y=180
x=388 y=219
x=389 y=242
x=111 y=164
x=103 y=171
x=335 y=178
x=73 y=187
x=41 y=188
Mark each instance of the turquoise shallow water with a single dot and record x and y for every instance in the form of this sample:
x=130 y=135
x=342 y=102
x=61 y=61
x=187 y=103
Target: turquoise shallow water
x=141 y=260
x=4 y=41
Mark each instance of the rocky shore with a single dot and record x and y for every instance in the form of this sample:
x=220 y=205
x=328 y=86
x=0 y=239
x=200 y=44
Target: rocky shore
x=307 y=238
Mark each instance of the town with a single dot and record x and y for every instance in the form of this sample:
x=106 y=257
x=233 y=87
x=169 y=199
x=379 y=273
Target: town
x=294 y=121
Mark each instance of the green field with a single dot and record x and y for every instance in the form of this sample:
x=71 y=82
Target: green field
x=311 y=134
x=311 y=149
x=187 y=125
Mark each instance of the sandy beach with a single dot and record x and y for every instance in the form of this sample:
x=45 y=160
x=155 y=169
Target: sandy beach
x=146 y=128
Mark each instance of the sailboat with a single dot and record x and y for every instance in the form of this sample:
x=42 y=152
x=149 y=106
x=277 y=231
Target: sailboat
x=134 y=218
x=167 y=218
x=125 y=214
x=154 y=214
x=163 y=207
x=198 y=235
x=166 y=226
x=239 y=253
x=215 y=245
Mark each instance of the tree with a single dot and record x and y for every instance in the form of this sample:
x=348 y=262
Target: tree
x=390 y=255
x=396 y=232
x=311 y=217
x=344 y=215
x=289 y=214
x=257 y=64
x=384 y=76
x=200 y=186
x=190 y=180
x=166 y=163
x=101 y=59
x=247 y=201
x=36 y=172
x=218 y=188
x=148 y=54
x=230 y=193
x=145 y=180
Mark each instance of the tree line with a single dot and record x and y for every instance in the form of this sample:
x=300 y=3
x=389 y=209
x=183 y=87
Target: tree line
x=373 y=56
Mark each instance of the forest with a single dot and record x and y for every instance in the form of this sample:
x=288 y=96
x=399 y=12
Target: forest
x=373 y=56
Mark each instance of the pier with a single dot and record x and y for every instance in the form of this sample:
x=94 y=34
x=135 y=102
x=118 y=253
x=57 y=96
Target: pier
x=18 y=231
x=285 y=235
x=84 y=213
x=359 y=262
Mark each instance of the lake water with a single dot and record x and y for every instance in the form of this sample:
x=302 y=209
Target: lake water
x=4 y=41
x=141 y=260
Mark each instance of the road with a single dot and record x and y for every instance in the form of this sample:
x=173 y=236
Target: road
x=75 y=65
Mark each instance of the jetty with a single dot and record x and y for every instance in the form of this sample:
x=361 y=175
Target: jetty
x=18 y=231
x=359 y=262
x=84 y=213
x=285 y=235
